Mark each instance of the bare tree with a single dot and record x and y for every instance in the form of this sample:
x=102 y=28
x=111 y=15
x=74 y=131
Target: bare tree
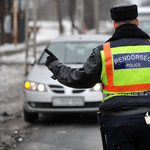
x=61 y=29
x=89 y=14
x=72 y=4
x=46 y=10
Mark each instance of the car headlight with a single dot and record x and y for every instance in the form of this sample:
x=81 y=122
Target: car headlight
x=33 y=86
x=97 y=87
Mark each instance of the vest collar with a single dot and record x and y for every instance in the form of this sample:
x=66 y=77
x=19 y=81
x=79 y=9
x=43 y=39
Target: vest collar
x=128 y=31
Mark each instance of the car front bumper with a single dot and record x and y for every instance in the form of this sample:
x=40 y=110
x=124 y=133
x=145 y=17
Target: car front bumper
x=47 y=107
x=41 y=102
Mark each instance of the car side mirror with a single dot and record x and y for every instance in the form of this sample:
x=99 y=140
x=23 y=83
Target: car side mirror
x=30 y=61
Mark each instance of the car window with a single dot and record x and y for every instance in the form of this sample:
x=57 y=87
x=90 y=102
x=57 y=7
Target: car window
x=70 y=52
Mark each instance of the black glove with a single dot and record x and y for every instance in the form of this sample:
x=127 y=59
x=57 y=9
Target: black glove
x=50 y=58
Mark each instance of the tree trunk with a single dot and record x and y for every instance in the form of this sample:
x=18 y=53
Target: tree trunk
x=59 y=16
x=72 y=7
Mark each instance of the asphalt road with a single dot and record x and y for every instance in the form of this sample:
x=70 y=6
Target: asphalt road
x=65 y=132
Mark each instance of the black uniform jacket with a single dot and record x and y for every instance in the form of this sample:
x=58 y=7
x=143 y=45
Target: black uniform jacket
x=88 y=75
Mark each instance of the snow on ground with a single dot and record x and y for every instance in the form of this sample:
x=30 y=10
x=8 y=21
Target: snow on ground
x=9 y=47
x=48 y=30
x=20 y=57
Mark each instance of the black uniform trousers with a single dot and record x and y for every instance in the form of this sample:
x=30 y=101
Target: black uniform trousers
x=131 y=134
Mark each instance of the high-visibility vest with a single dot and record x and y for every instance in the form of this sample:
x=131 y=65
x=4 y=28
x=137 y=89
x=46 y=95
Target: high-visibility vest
x=125 y=69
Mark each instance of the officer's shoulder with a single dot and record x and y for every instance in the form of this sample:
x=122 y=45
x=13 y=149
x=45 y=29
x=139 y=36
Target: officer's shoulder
x=98 y=48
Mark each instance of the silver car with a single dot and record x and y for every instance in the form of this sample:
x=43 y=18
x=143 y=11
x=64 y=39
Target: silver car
x=42 y=94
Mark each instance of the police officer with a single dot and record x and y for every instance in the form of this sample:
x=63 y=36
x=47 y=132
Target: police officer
x=122 y=65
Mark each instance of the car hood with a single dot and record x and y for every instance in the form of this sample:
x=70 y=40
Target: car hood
x=41 y=74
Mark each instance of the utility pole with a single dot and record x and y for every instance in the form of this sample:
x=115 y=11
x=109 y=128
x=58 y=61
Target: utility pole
x=34 y=27
x=96 y=15
x=26 y=34
x=15 y=22
x=80 y=15
x=27 y=39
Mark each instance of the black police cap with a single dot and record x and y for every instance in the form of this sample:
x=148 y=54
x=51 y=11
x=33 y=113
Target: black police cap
x=124 y=12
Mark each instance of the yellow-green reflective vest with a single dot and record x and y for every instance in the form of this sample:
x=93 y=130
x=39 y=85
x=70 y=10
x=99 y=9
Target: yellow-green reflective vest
x=125 y=69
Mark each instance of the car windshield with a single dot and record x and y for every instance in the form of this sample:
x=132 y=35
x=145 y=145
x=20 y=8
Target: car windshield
x=70 y=52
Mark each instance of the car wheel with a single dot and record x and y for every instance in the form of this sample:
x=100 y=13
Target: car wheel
x=30 y=117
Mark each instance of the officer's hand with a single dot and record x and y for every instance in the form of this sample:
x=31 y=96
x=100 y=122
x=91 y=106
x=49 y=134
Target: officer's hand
x=50 y=58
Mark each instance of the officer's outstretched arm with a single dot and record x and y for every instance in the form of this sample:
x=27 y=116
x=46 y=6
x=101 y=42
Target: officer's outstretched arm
x=85 y=77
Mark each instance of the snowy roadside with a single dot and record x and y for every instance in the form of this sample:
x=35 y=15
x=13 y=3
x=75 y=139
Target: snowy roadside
x=48 y=30
x=11 y=81
x=12 y=76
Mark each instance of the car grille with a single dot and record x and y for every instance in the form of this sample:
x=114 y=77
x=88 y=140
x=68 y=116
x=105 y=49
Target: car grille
x=49 y=105
x=77 y=91
x=59 y=89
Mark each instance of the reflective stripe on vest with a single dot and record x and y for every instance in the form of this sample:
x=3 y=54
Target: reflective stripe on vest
x=109 y=72
x=108 y=63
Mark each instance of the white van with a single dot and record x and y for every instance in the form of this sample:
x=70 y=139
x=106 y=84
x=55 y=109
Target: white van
x=144 y=11
x=144 y=18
